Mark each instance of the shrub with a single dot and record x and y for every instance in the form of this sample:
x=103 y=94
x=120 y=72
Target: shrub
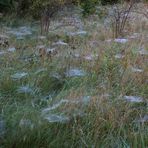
x=105 y=2
x=6 y=4
x=89 y=6
x=23 y=7
x=36 y=7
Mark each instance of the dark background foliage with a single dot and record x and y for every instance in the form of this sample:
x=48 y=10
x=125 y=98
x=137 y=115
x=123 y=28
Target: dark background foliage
x=35 y=7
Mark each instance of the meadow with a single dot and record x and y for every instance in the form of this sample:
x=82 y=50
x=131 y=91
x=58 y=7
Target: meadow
x=75 y=86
